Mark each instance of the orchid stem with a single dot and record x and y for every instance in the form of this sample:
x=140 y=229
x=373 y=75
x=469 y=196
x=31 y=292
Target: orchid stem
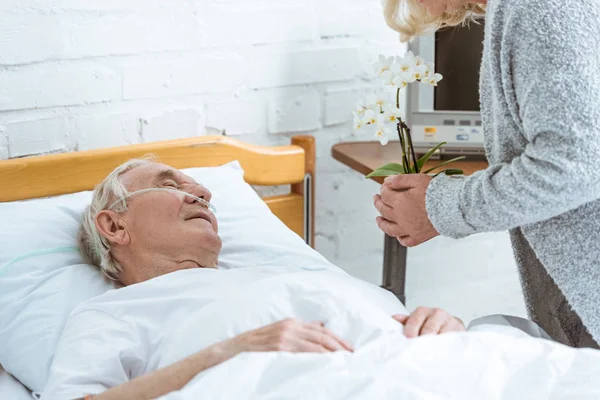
x=401 y=125
x=405 y=163
x=410 y=145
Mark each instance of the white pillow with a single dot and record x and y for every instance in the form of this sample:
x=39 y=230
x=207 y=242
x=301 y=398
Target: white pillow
x=11 y=389
x=43 y=277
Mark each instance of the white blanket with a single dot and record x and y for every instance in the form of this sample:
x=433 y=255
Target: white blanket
x=131 y=331
x=465 y=366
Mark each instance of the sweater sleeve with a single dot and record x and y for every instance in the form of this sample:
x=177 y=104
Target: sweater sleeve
x=551 y=82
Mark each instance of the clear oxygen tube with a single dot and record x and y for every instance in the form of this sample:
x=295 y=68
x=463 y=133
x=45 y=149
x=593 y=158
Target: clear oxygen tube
x=199 y=200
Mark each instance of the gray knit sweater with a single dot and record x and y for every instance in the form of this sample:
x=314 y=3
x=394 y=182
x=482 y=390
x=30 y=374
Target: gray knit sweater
x=540 y=104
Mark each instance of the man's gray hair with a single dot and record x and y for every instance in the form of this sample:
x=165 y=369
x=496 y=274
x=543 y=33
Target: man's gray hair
x=92 y=244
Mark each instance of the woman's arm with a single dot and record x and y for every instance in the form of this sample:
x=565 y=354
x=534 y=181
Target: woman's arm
x=551 y=84
x=288 y=335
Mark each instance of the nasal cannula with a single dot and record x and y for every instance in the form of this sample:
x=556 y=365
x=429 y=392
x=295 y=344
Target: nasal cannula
x=200 y=200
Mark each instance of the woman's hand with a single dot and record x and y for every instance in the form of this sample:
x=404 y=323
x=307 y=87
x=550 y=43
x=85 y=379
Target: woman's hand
x=402 y=208
x=429 y=321
x=289 y=335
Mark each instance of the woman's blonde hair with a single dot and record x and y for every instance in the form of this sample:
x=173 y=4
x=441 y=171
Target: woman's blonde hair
x=410 y=18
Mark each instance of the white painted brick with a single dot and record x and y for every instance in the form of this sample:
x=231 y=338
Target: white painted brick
x=132 y=34
x=272 y=69
x=47 y=86
x=189 y=75
x=31 y=38
x=38 y=136
x=294 y=111
x=353 y=18
x=3 y=144
x=326 y=235
x=104 y=5
x=327 y=246
x=54 y=6
x=257 y=23
x=239 y=117
x=339 y=106
x=346 y=193
x=171 y=125
x=103 y=130
x=359 y=232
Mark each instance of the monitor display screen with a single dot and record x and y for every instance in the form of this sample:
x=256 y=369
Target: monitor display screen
x=458 y=57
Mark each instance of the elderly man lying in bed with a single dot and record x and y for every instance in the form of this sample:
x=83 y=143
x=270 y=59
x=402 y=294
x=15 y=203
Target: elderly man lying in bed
x=149 y=337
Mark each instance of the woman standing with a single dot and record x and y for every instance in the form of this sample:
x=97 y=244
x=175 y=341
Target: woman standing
x=540 y=106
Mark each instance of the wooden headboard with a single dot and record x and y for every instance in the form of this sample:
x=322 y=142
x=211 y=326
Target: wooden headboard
x=294 y=165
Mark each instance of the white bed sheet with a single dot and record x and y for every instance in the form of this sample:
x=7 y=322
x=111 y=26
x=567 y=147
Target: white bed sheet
x=11 y=389
x=458 y=366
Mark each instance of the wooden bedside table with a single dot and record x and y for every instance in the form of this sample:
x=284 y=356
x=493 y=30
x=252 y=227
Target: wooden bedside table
x=364 y=157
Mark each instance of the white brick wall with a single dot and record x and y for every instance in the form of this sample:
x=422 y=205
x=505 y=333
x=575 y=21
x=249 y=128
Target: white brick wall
x=256 y=22
x=294 y=111
x=37 y=136
x=187 y=75
x=238 y=117
x=276 y=68
x=104 y=129
x=81 y=74
x=179 y=123
x=40 y=86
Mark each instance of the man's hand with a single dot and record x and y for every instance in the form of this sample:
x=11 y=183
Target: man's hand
x=429 y=321
x=289 y=335
x=402 y=208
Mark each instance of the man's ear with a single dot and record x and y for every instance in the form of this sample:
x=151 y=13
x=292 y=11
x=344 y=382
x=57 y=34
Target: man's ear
x=112 y=227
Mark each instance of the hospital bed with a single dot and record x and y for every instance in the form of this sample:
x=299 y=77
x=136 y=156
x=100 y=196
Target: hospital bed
x=480 y=365
x=60 y=174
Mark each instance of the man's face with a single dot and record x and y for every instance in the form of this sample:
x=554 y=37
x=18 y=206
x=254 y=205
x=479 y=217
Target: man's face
x=177 y=231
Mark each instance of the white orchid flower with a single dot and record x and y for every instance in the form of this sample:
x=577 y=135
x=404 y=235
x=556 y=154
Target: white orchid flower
x=387 y=78
x=409 y=76
x=360 y=108
x=404 y=67
x=382 y=136
x=358 y=122
x=379 y=110
x=387 y=124
x=432 y=80
x=375 y=102
x=383 y=64
x=419 y=61
x=430 y=69
x=421 y=72
x=409 y=59
x=400 y=82
x=392 y=114
x=382 y=131
x=370 y=118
